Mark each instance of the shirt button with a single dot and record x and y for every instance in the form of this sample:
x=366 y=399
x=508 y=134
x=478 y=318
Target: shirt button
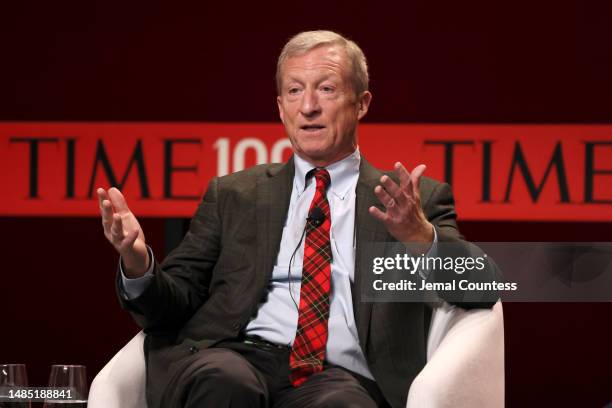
x=193 y=349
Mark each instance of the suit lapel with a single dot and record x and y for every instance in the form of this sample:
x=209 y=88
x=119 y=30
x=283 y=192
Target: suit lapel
x=367 y=230
x=273 y=196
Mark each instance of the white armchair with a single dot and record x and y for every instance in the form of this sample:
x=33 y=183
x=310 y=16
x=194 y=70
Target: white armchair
x=465 y=360
x=121 y=383
x=465 y=365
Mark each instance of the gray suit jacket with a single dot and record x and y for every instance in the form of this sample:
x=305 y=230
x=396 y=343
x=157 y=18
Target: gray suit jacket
x=211 y=285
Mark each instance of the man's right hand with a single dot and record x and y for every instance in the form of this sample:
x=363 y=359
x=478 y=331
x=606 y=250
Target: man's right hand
x=123 y=231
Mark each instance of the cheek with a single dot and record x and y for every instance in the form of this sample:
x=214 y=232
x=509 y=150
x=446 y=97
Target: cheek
x=289 y=113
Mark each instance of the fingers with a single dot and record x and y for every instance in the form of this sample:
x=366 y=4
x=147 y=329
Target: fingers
x=403 y=175
x=406 y=194
x=106 y=210
x=379 y=215
x=384 y=197
x=402 y=214
x=408 y=183
x=119 y=226
x=118 y=200
x=107 y=215
x=392 y=189
x=101 y=196
x=117 y=233
x=415 y=177
x=129 y=240
x=121 y=239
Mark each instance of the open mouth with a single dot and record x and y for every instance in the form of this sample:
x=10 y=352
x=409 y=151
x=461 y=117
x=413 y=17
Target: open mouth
x=312 y=128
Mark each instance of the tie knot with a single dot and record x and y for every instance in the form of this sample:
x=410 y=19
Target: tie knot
x=322 y=177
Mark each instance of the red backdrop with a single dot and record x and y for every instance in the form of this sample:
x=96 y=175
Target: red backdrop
x=503 y=172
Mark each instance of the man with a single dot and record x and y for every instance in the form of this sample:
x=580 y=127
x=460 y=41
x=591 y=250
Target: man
x=260 y=304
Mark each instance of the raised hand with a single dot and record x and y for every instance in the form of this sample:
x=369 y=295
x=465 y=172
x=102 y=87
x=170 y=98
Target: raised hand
x=404 y=217
x=123 y=231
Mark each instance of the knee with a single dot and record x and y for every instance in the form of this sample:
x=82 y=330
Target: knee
x=341 y=399
x=226 y=376
x=229 y=377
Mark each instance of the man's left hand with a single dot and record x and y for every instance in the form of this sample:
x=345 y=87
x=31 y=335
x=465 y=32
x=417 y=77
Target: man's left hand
x=404 y=217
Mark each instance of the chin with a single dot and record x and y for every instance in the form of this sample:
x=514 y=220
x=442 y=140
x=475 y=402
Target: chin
x=316 y=151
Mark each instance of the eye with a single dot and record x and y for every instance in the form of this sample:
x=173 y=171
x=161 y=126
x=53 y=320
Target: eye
x=293 y=90
x=327 y=88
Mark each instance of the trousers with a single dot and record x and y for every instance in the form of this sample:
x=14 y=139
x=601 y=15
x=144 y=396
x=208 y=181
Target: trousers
x=251 y=372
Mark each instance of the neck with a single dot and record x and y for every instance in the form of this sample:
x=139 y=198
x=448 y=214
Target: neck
x=327 y=162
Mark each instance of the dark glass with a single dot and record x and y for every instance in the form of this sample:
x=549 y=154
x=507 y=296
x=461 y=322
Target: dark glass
x=14 y=375
x=72 y=376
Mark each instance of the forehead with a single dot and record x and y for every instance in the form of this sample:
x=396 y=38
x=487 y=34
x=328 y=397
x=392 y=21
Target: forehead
x=322 y=60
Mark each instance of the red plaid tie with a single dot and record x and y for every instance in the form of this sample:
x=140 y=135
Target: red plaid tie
x=308 y=351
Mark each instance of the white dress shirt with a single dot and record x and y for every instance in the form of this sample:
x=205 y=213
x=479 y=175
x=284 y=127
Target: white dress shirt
x=277 y=318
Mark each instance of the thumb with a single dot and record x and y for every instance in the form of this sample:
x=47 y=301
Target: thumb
x=126 y=247
x=130 y=238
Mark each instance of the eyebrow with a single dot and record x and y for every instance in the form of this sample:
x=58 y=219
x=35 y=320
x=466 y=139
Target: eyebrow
x=324 y=78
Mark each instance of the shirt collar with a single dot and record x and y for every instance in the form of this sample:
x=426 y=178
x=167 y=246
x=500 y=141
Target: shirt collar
x=343 y=174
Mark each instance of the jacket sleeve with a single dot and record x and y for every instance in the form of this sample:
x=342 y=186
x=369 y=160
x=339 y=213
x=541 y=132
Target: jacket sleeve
x=180 y=284
x=440 y=210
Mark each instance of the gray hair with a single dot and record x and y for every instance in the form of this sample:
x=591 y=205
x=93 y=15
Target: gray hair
x=308 y=40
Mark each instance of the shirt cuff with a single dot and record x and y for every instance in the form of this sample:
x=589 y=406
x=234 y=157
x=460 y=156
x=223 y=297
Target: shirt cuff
x=424 y=273
x=132 y=288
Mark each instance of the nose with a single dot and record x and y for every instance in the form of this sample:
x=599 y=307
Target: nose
x=309 y=106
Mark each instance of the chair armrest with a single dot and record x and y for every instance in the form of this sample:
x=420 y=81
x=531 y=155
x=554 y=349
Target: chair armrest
x=465 y=367
x=121 y=383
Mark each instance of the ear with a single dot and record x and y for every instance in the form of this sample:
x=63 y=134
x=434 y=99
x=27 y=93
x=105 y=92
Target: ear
x=281 y=112
x=364 y=104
